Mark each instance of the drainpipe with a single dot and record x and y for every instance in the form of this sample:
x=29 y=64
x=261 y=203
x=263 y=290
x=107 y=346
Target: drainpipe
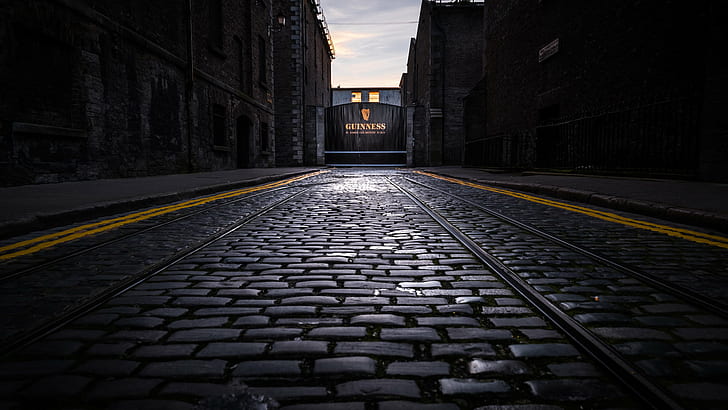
x=443 y=58
x=190 y=86
x=302 y=123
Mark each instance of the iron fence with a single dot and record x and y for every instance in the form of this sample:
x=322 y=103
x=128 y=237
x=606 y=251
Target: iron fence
x=458 y=1
x=660 y=137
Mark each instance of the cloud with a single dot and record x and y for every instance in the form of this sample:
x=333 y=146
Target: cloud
x=347 y=43
x=370 y=52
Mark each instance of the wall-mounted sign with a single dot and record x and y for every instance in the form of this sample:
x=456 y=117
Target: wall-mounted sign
x=548 y=50
x=364 y=125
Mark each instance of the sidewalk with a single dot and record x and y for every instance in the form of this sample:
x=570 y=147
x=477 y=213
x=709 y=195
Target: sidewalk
x=695 y=203
x=33 y=207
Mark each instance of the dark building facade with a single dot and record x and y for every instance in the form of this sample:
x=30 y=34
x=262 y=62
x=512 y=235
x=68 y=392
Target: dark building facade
x=106 y=88
x=382 y=95
x=303 y=54
x=613 y=87
x=444 y=64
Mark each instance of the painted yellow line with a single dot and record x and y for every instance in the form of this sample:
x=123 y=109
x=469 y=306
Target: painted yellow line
x=68 y=235
x=687 y=234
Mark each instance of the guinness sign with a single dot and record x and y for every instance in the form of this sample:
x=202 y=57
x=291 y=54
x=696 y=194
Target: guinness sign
x=351 y=127
x=365 y=127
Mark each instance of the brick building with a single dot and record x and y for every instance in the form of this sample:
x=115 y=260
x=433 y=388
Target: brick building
x=382 y=95
x=303 y=54
x=613 y=87
x=106 y=88
x=444 y=64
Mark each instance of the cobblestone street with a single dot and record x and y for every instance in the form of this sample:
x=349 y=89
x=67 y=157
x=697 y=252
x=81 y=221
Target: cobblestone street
x=341 y=292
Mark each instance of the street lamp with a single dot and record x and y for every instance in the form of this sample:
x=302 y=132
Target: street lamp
x=281 y=18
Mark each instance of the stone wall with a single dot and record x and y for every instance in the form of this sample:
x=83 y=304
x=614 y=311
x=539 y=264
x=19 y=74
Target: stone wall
x=303 y=79
x=625 y=76
x=444 y=64
x=105 y=89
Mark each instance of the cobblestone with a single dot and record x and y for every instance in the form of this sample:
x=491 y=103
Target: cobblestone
x=57 y=386
x=150 y=405
x=379 y=388
x=420 y=369
x=131 y=388
x=326 y=406
x=375 y=348
x=185 y=369
x=479 y=366
x=263 y=368
x=236 y=349
x=355 y=299
x=472 y=386
x=382 y=319
x=572 y=390
x=543 y=350
x=164 y=351
x=108 y=367
x=204 y=335
x=408 y=405
x=307 y=347
x=345 y=365
x=462 y=349
x=419 y=334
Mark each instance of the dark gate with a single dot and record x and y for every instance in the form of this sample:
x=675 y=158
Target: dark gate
x=365 y=134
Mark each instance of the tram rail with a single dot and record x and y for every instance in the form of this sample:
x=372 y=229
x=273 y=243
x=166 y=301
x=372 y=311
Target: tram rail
x=361 y=283
x=47 y=327
x=649 y=389
x=711 y=305
x=5 y=276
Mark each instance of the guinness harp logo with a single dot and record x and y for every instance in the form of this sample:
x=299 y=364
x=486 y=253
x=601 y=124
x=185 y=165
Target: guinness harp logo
x=365 y=113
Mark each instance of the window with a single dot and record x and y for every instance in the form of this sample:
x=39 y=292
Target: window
x=264 y=137
x=240 y=55
x=356 y=96
x=262 y=61
x=216 y=29
x=219 y=139
x=373 y=96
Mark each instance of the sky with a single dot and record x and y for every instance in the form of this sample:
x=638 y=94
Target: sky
x=371 y=38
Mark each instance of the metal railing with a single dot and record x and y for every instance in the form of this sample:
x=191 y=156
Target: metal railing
x=659 y=137
x=458 y=1
x=324 y=27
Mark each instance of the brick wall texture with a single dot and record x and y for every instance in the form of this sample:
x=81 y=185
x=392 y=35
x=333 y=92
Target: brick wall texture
x=303 y=79
x=107 y=88
x=444 y=64
x=635 y=77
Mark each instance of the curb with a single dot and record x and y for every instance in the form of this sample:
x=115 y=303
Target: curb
x=689 y=216
x=46 y=221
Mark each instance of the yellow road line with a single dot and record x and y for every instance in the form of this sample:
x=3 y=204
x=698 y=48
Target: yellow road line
x=71 y=234
x=687 y=234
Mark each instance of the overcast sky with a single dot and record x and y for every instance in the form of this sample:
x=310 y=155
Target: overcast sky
x=370 y=52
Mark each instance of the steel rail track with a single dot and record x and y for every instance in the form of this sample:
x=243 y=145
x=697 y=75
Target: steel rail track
x=26 y=338
x=688 y=295
x=628 y=375
x=24 y=271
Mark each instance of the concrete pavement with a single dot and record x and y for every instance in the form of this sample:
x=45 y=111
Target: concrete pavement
x=692 y=202
x=34 y=207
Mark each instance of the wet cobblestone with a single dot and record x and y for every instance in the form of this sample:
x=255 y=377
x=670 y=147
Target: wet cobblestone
x=614 y=306
x=350 y=297
x=68 y=283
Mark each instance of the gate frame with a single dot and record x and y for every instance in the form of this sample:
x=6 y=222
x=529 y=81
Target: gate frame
x=407 y=124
